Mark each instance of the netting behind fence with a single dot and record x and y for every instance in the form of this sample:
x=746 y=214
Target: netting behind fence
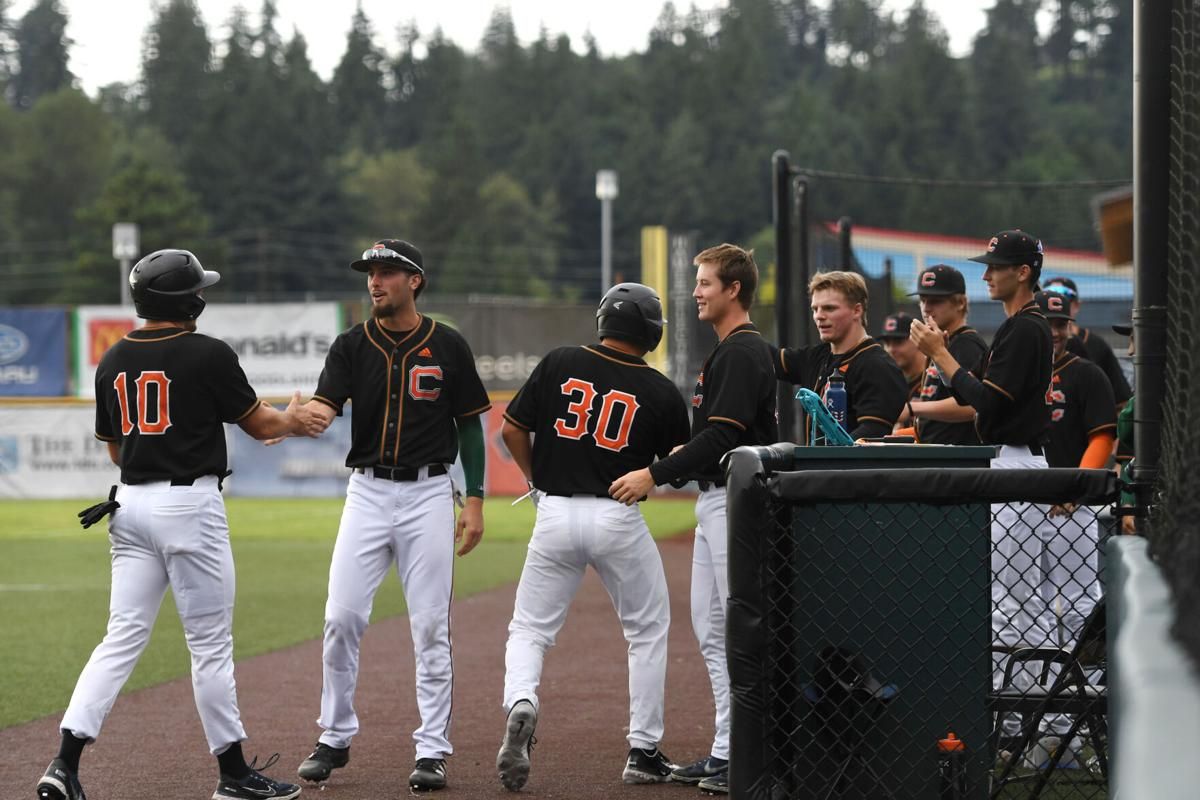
x=873 y=613
x=1175 y=536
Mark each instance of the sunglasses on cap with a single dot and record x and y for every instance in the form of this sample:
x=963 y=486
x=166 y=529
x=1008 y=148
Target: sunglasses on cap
x=386 y=254
x=1063 y=289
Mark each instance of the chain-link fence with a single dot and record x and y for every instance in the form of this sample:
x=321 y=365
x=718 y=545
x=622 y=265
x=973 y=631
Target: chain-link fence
x=1174 y=534
x=916 y=633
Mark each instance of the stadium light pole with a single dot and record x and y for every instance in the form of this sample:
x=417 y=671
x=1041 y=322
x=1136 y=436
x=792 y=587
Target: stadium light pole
x=125 y=249
x=606 y=192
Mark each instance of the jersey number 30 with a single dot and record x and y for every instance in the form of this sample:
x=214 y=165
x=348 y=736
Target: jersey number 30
x=609 y=433
x=153 y=403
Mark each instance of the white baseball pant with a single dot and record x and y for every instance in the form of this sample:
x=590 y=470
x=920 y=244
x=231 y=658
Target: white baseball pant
x=710 y=594
x=570 y=534
x=177 y=536
x=409 y=525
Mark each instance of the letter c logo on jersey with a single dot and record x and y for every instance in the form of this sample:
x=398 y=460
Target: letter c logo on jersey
x=421 y=382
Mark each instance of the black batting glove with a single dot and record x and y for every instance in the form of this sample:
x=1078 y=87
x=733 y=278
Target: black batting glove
x=93 y=514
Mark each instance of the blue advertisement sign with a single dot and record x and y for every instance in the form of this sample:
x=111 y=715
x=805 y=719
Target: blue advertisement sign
x=33 y=352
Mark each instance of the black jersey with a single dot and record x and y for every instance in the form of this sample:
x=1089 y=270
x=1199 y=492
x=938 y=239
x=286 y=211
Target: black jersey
x=164 y=395
x=1018 y=366
x=1100 y=353
x=596 y=413
x=406 y=390
x=736 y=387
x=1081 y=404
x=968 y=349
x=875 y=387
x=914 y=386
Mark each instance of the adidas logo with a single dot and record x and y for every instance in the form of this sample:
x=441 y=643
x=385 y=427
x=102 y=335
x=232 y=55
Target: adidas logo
x=425 y=352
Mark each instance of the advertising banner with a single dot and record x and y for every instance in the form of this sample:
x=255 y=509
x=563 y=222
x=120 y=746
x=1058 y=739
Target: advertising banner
x=281 y=346
x=33 y=352
x=508 y=339
x=52 y=452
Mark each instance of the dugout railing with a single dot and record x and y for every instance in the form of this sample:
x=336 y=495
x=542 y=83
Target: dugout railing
x=872 y=613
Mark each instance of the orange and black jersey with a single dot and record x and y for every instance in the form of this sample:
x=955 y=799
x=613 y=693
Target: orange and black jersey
x=1081 y=405
x=596 y=413
x=968 y=348
x=163 y=395
x=406 y=389
x=733 y=405
x=875 y=387
x=1008 y=388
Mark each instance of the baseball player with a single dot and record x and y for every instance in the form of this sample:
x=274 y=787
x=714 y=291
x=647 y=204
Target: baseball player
x=733 y=405
x=594 y=414
x=417 y=400
x=1008 y=392
x=163 y=394
x=940 y=418
x=1083 y=426
x=910 y=360
x=876 y=391
x=1093 y=348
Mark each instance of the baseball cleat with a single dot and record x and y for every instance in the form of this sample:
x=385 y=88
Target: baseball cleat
x=324 y=760
x=647 y=766
x=255 y=786
x=512 y=762
x=717 y=784
x=428 y=774
x=59 y=783
x=706 y=767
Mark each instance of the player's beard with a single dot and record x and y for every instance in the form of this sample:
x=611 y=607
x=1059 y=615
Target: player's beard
x=383 y=310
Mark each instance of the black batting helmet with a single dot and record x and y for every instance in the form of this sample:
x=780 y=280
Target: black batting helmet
x=632 y=313
x=166 y=285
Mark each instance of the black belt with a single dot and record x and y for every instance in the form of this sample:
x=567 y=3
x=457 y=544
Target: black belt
x=189 y=481
x=402 y=473
x=706 y=485
x=605 y=495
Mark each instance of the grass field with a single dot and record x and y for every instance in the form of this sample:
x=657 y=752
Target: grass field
x=54 y=581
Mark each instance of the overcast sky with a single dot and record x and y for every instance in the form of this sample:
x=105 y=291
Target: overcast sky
x=107 y=34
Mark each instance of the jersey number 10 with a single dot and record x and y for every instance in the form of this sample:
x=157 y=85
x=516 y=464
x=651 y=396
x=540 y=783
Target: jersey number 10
x=575 y=425
x=153 y=403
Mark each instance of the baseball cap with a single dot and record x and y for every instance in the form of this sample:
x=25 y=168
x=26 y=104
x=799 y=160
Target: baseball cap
x=1012 y=249
x=896 y=326
x=394 y=253
x=1124 y=330
x=940 y=280
x=1054 y=305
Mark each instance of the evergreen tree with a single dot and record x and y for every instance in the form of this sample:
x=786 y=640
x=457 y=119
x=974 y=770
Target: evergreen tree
x=42 y=45
x=359 y=96
x=1004 y=66
x=61 y=166
x=177 y=72
x=151 y=195
x=6 y=49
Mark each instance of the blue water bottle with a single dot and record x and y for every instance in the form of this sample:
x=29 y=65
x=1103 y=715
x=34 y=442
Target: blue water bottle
x=835 y=397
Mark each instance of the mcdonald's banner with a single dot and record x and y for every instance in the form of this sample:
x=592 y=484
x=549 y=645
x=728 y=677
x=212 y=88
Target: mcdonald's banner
x=281 y=346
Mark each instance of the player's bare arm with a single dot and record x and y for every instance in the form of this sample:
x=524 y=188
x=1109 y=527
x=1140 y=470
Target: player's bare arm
x=520 y=447
x=945 y=410
x=469 y=529
x=114 y=452
x=931 y=340
x=269 y=423
x=632 y=486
